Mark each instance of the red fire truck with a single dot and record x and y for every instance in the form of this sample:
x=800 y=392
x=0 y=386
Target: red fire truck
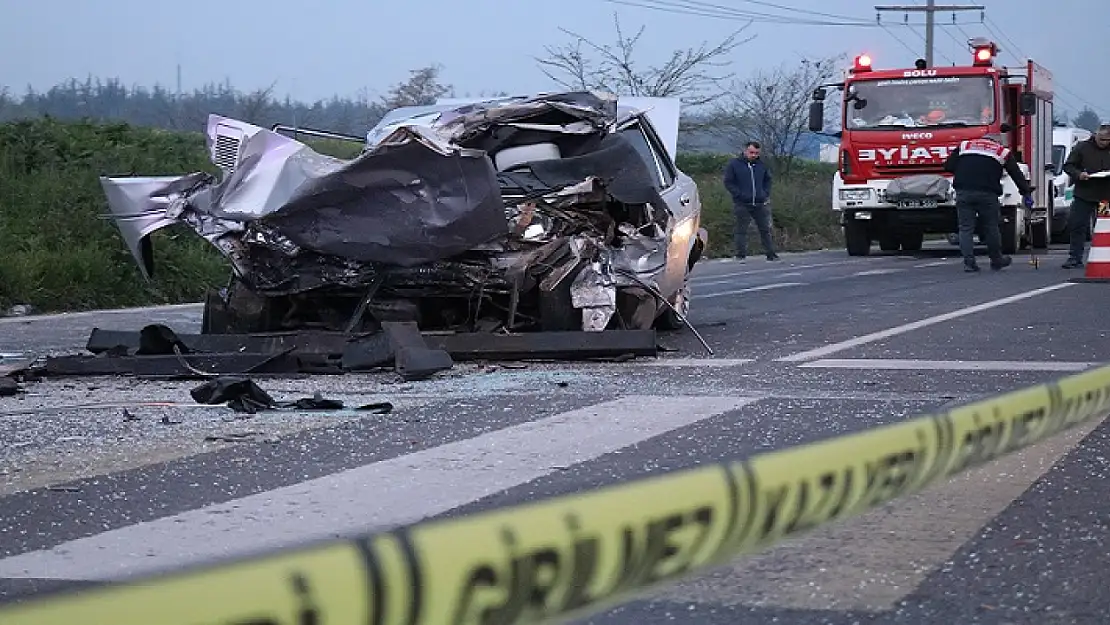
x=898 y=127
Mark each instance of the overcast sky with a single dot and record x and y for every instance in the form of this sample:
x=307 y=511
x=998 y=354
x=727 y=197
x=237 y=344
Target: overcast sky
x=313 y=50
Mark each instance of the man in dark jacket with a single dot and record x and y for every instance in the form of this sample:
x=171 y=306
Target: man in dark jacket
x=749 y=182
x=1088 y=157
x=977 y=167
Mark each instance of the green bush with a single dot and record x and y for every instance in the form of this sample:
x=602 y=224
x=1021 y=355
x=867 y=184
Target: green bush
x=59 y=253
x=801 y=206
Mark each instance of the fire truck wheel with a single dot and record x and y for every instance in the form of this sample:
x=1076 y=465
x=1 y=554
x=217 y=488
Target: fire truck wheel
x=1009 y=228
x=856 y=237
x=912 y=241
x=888 y=242
x=1038 y=236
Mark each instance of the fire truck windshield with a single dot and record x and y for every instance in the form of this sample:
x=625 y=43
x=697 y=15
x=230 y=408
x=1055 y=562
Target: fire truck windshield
x=918 y=102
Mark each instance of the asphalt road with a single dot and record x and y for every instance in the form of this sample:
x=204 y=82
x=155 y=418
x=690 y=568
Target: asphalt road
x=813 y=346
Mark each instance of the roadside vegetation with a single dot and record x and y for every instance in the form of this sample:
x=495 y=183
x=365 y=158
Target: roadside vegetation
x=59 y=253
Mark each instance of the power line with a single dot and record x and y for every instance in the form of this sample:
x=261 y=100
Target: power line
x=899 y=40
x=728 y=14
x=997 y=32
x=781 y=7
x=930 y=10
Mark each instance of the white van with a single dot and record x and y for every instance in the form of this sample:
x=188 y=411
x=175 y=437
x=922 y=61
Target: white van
x=1064 y=139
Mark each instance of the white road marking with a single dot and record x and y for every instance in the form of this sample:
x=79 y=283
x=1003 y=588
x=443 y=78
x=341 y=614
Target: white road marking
x=876 y=272
x=792 y=274
x=947 y=365
x=740 y=274
x=752 y=289
x=112 y=311
x=935 y=263
x=820 y=352
x=395 y=491
x=696 y=362
x=872 y=562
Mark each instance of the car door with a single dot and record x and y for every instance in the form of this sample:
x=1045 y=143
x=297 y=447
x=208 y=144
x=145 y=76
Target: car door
x=680 y=194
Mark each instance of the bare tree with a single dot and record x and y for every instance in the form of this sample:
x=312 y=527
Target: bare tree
x=422 y=88
x=772 y=107
x=1087 y=119
x=688 y=74
x=255 y=106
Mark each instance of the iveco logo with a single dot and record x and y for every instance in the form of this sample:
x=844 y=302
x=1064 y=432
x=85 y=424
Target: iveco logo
x=917 y=135
x=918 y=73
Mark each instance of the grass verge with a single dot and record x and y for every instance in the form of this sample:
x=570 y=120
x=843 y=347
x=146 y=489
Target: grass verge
x=58 y=252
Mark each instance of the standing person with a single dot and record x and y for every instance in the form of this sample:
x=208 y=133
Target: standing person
x=1086 y=158
x=749 y=183
x=977 y=167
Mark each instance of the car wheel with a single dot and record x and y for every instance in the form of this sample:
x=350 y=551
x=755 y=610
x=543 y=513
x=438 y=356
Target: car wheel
x=669 y=320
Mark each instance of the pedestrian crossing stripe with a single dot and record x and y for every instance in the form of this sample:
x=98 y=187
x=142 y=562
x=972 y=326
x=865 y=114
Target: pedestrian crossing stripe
x=568 y=556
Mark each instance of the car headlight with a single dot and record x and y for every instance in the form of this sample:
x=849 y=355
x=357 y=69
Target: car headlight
x=855 y=195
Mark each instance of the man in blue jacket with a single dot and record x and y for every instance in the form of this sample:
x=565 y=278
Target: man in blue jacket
x=749 y=183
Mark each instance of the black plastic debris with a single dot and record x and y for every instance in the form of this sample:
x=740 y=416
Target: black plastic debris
x=9 y=387
x=413 y=359
x=242 y=394
x=159 y=340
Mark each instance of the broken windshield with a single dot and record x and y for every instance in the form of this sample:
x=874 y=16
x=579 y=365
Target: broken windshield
x=921 y=102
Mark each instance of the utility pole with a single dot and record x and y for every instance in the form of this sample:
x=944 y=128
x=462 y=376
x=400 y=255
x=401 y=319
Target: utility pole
x=930 y=10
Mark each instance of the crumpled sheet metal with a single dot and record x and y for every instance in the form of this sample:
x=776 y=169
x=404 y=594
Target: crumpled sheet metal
x=408 y=202
x=139 y=207
x=455 y=123
x=405 y=204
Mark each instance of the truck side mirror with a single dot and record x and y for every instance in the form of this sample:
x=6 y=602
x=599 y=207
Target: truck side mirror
x=816 y=116
x=1028 y=103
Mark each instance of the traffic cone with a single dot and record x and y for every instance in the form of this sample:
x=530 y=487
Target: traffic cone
x=1098 y=259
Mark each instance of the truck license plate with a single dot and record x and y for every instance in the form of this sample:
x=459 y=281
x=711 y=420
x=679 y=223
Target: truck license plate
x=917 y=204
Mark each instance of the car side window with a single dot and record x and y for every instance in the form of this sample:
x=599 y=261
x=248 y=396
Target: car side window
x=659 y=171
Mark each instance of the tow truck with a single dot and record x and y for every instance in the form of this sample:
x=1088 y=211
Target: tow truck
x=898 y=127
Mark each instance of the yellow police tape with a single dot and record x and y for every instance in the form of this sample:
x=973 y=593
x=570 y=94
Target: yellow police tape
x=566 y=557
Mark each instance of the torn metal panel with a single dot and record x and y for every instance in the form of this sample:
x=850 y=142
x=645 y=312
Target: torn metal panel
x=408 y=206
x=140 y=206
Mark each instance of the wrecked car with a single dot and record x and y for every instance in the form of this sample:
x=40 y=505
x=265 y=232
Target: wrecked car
x=553 y=212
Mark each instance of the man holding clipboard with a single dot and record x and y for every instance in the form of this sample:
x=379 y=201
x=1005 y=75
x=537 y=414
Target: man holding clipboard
x=1088 y=166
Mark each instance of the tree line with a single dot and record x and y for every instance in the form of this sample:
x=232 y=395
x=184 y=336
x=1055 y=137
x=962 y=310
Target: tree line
x=720 y=110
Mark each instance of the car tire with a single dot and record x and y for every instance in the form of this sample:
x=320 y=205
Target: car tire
x=668 y=320
x=856 y=237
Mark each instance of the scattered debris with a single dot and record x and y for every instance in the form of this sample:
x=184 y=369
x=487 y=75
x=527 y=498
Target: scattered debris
x=160 y=353
x=242 y=394
x=9 y=387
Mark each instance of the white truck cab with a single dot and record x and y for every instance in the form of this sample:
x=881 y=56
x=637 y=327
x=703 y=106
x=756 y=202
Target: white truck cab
x=1063 y=140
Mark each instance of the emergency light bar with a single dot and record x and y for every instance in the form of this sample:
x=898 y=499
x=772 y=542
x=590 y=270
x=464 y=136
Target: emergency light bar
x=863 y=63
x=984 y=51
